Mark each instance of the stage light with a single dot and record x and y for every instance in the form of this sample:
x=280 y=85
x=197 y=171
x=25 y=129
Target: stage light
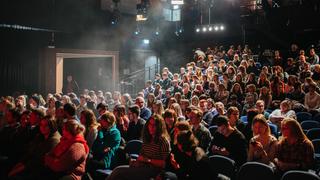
x=136 y=32
x=210 y=28
x=113 y=22
x=221 y=27
x=216 y=28
x=146 y=41
x=204 y=29
x=198 y=30
x=177 y=2
x=157 y=32
x=180 y=30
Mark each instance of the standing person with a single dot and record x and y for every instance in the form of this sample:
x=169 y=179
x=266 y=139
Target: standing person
x=154 y=152
x=71 y=86
x=68 y=158
x=295 y=150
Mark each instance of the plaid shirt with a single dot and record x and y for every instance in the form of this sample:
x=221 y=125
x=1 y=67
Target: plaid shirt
x=301 y=152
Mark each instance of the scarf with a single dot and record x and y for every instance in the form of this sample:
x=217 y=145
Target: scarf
x=65 y=144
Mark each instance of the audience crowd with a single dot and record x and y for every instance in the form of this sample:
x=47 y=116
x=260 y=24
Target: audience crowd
x=224 y=102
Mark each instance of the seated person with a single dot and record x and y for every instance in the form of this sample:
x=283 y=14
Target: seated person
x=262 y=146
x=200 y=131
x=153 y=154
x=68 y=158
x=31 y=165
x=106 y=144
x=190 y=160
x=295 y=150
x=279 y=114
x=229 y=141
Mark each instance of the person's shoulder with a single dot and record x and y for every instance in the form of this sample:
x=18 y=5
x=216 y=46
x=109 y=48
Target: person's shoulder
x=141 y=121
x=200 y=154
x=238 y=134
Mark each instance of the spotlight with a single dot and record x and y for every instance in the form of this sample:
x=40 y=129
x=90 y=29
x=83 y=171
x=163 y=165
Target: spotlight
x=221 y=27
x=157 y=32
x=136 y=32
x=216 y=28
x=198 y=30
x=146 y=41
x=113 y=22
x=204 y=29
x=210 y=28
x=180 y=30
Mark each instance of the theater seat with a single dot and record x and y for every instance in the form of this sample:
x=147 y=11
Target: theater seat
x=223 y=165
x=255 y=171
x=303 y=116
x=133 y=148
x=313 y=133
x=303 y=175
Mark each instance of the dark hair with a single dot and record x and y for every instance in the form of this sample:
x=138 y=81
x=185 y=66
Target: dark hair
x=161 y=130
x=121 y=109
x=102 y=105
x=15 y=114
x=52 y=124
x=70 y=109
x=251 y=113
x=36 y=99
x=222 y=120
x=57 y=104
x=38 y=112
x=90 y=117
x=187 y=140
x=135 y=109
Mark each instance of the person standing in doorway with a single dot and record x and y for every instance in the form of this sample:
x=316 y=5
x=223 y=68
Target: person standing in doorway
x=71 y=86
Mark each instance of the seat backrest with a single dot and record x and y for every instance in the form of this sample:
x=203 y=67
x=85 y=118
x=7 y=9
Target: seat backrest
x=133 y=147
x=303 y=116
x=309 y=124
x=316 y=145
x=313 y=133
x=223 y=165
x=255 y=171
x=316 y=117
x=303 y=175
